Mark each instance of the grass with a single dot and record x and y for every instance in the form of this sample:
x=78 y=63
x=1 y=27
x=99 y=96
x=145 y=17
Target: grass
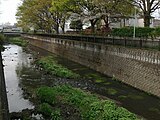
x=112 y=91
x=97 y=78
x=18 y=41
x=122 y=97
x=154 y=110
x=50 y=65
x=90 y=106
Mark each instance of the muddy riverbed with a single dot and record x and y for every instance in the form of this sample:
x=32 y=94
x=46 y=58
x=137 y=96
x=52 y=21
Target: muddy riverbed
x=22 y=77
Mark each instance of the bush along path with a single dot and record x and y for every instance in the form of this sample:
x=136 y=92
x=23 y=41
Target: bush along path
x=68 y=103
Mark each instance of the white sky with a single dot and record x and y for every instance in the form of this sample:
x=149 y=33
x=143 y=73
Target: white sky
x=8 y=10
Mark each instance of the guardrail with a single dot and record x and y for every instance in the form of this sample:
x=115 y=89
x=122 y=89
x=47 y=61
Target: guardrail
x=12 y=34
x=127 y=42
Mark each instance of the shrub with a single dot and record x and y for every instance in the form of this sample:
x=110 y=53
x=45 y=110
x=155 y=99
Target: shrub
x=128 y=32
x=46 y=95
x=45 y=109
x=157 y=32
x=2 y=38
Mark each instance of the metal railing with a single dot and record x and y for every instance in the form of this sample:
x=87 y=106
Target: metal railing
x=127 y=42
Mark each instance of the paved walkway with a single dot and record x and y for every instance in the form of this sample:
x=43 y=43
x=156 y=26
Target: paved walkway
x=4 y=113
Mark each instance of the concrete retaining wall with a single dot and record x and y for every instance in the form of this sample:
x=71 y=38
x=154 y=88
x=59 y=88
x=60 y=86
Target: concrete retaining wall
x=4 y=111
x=136 y=67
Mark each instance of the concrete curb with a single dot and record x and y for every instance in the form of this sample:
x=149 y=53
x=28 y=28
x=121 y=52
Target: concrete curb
x=4 y=112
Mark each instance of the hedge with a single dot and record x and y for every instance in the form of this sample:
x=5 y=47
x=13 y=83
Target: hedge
x=144 y=32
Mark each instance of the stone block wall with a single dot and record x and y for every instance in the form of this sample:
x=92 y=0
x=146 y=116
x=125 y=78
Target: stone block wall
x=136 y=67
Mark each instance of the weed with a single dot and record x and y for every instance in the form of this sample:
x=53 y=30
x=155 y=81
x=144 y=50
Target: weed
x=46 y=95
x=90 y=106
x=18 y=41
x=45 y=109
x=51 y=66
x=111 y=91
x=56 y=115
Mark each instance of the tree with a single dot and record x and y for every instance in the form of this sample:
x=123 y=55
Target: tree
x=109 y=9
x=92 y=10
x=79 y=10
x=61 y=11
x=36 y=14
x=147 y=7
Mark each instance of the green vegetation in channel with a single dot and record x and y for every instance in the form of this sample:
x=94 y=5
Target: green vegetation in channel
x=18 y=41
x=2 y=38
x=50 y=65
x=90 y=106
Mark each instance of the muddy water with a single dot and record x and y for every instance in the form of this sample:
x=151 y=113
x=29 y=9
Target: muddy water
x=20 y=73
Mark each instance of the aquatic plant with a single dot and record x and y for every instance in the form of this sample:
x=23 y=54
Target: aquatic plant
x=46 y=95
x=90 y=106
x=45 y=109
x=18 y=41
x=50 y=65
x=56 y=115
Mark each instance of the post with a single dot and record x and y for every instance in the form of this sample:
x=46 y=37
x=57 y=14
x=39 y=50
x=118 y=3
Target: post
x=135 y=19
x=125 y=42
x=159 y=44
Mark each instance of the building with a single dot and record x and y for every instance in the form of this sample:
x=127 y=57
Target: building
x=7 y=27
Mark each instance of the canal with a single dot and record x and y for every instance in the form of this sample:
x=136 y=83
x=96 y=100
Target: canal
x=22 y=76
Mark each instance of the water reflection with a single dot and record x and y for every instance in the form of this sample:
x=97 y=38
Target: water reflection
x=14 y=57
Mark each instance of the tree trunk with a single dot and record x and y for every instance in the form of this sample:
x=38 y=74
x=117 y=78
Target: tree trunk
x=57 y=29
x=93 y=22
x=124 y=22
x=92 y=26
x=147 y=20
x=63 y=27
x=63 y=30
x=106 y=20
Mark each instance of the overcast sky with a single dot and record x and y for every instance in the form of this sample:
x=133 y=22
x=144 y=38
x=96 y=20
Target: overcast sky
x=8 y=10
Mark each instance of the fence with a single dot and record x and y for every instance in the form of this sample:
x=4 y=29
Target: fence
x=127 y=42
